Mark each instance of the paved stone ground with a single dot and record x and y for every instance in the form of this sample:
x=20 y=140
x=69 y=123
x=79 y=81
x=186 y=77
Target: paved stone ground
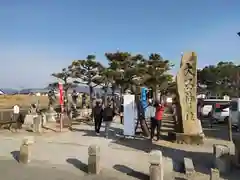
x=64 y=156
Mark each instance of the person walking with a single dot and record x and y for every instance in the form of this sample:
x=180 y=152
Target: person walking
x=108 y=115
x=98 y=115
x=157 y=121
x=121 y=113
x=74 y=99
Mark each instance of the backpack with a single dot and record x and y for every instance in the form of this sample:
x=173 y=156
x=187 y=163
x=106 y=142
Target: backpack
x=97 y=110
x=108 y=112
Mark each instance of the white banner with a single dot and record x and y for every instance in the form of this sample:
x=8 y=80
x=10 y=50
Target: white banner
x=129 y=115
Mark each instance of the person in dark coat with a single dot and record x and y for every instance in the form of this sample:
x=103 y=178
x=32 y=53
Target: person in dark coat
x=74 y=97
x=84 y=99
x=108 y=115
x=98 y=115
x=121 y=113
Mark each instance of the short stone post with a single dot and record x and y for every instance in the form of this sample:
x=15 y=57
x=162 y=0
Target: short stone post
x=37 y=124
x=156 y=166
x=93 y=159
x=214 y=174
x=24 y=155
x=222 y=158
x=51 y=114
x=44 y=119
x=189 y=168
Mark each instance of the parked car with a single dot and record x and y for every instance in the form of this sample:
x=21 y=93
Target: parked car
x=206 y=110
x=208 y=106
x=220 y=112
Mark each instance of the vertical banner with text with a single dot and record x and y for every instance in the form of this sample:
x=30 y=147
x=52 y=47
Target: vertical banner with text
x=61 y=102
x=144 y=98
x=60 y=87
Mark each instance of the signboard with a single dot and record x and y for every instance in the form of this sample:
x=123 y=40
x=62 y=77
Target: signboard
x=129 y=114
x=227 y=98
x=16 y=109
x=144 y=98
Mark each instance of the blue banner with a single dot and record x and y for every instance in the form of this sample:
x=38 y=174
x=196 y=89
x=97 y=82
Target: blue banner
x=144 y=98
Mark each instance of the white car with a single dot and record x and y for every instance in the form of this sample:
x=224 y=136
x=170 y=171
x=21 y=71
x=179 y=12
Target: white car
x=206 y=110
x=222 y=116
x=209 y=106
x=221 y=113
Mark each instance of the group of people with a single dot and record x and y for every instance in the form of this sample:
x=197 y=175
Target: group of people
x=103 y=114
x=106 y=115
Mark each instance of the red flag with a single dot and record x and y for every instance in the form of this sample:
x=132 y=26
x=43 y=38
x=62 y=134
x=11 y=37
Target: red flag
x=60 y=87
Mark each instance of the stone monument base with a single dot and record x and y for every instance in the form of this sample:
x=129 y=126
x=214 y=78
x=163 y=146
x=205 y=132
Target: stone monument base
x=236 y=141
x=183 y=138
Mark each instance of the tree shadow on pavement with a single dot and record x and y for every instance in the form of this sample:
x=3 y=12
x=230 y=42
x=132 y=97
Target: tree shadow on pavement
x=88 y=132
x=217 y=131
x=78 y=164
x=15 y=155
x=130 y=172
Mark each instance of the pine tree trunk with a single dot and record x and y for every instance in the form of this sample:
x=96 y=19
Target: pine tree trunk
x=91 y=99
x=156 y=92
x=113 y=96
x=121 y=95
x=91 y=96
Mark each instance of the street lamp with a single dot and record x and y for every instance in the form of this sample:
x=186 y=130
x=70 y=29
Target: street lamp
x=238 y=33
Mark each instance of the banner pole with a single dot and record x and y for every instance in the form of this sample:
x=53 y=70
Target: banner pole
x=61 y=118
x=61 y=101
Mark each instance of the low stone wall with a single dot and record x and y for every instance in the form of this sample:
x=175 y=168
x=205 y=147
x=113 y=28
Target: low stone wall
x=5 y=114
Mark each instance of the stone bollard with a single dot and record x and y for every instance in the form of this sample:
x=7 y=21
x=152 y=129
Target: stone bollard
x=93 y=159
x=24 y=155
x=44 y=119
x=214 y=174
x=189 y=168
x=222 y=158
x=156 y=166
x=37 y=124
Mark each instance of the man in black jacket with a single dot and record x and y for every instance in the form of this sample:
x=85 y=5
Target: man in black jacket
x=108 y=115
x=98 y=115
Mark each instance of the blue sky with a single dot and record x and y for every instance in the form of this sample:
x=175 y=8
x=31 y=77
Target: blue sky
x=41 y=37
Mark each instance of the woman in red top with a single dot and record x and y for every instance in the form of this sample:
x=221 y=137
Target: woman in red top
x=156 y=123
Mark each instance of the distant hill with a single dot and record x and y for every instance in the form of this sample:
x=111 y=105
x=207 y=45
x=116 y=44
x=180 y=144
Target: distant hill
x=80 y=89
x=9 y=91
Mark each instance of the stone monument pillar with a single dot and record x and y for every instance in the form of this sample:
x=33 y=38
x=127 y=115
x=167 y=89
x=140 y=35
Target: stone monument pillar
x=190 y=131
